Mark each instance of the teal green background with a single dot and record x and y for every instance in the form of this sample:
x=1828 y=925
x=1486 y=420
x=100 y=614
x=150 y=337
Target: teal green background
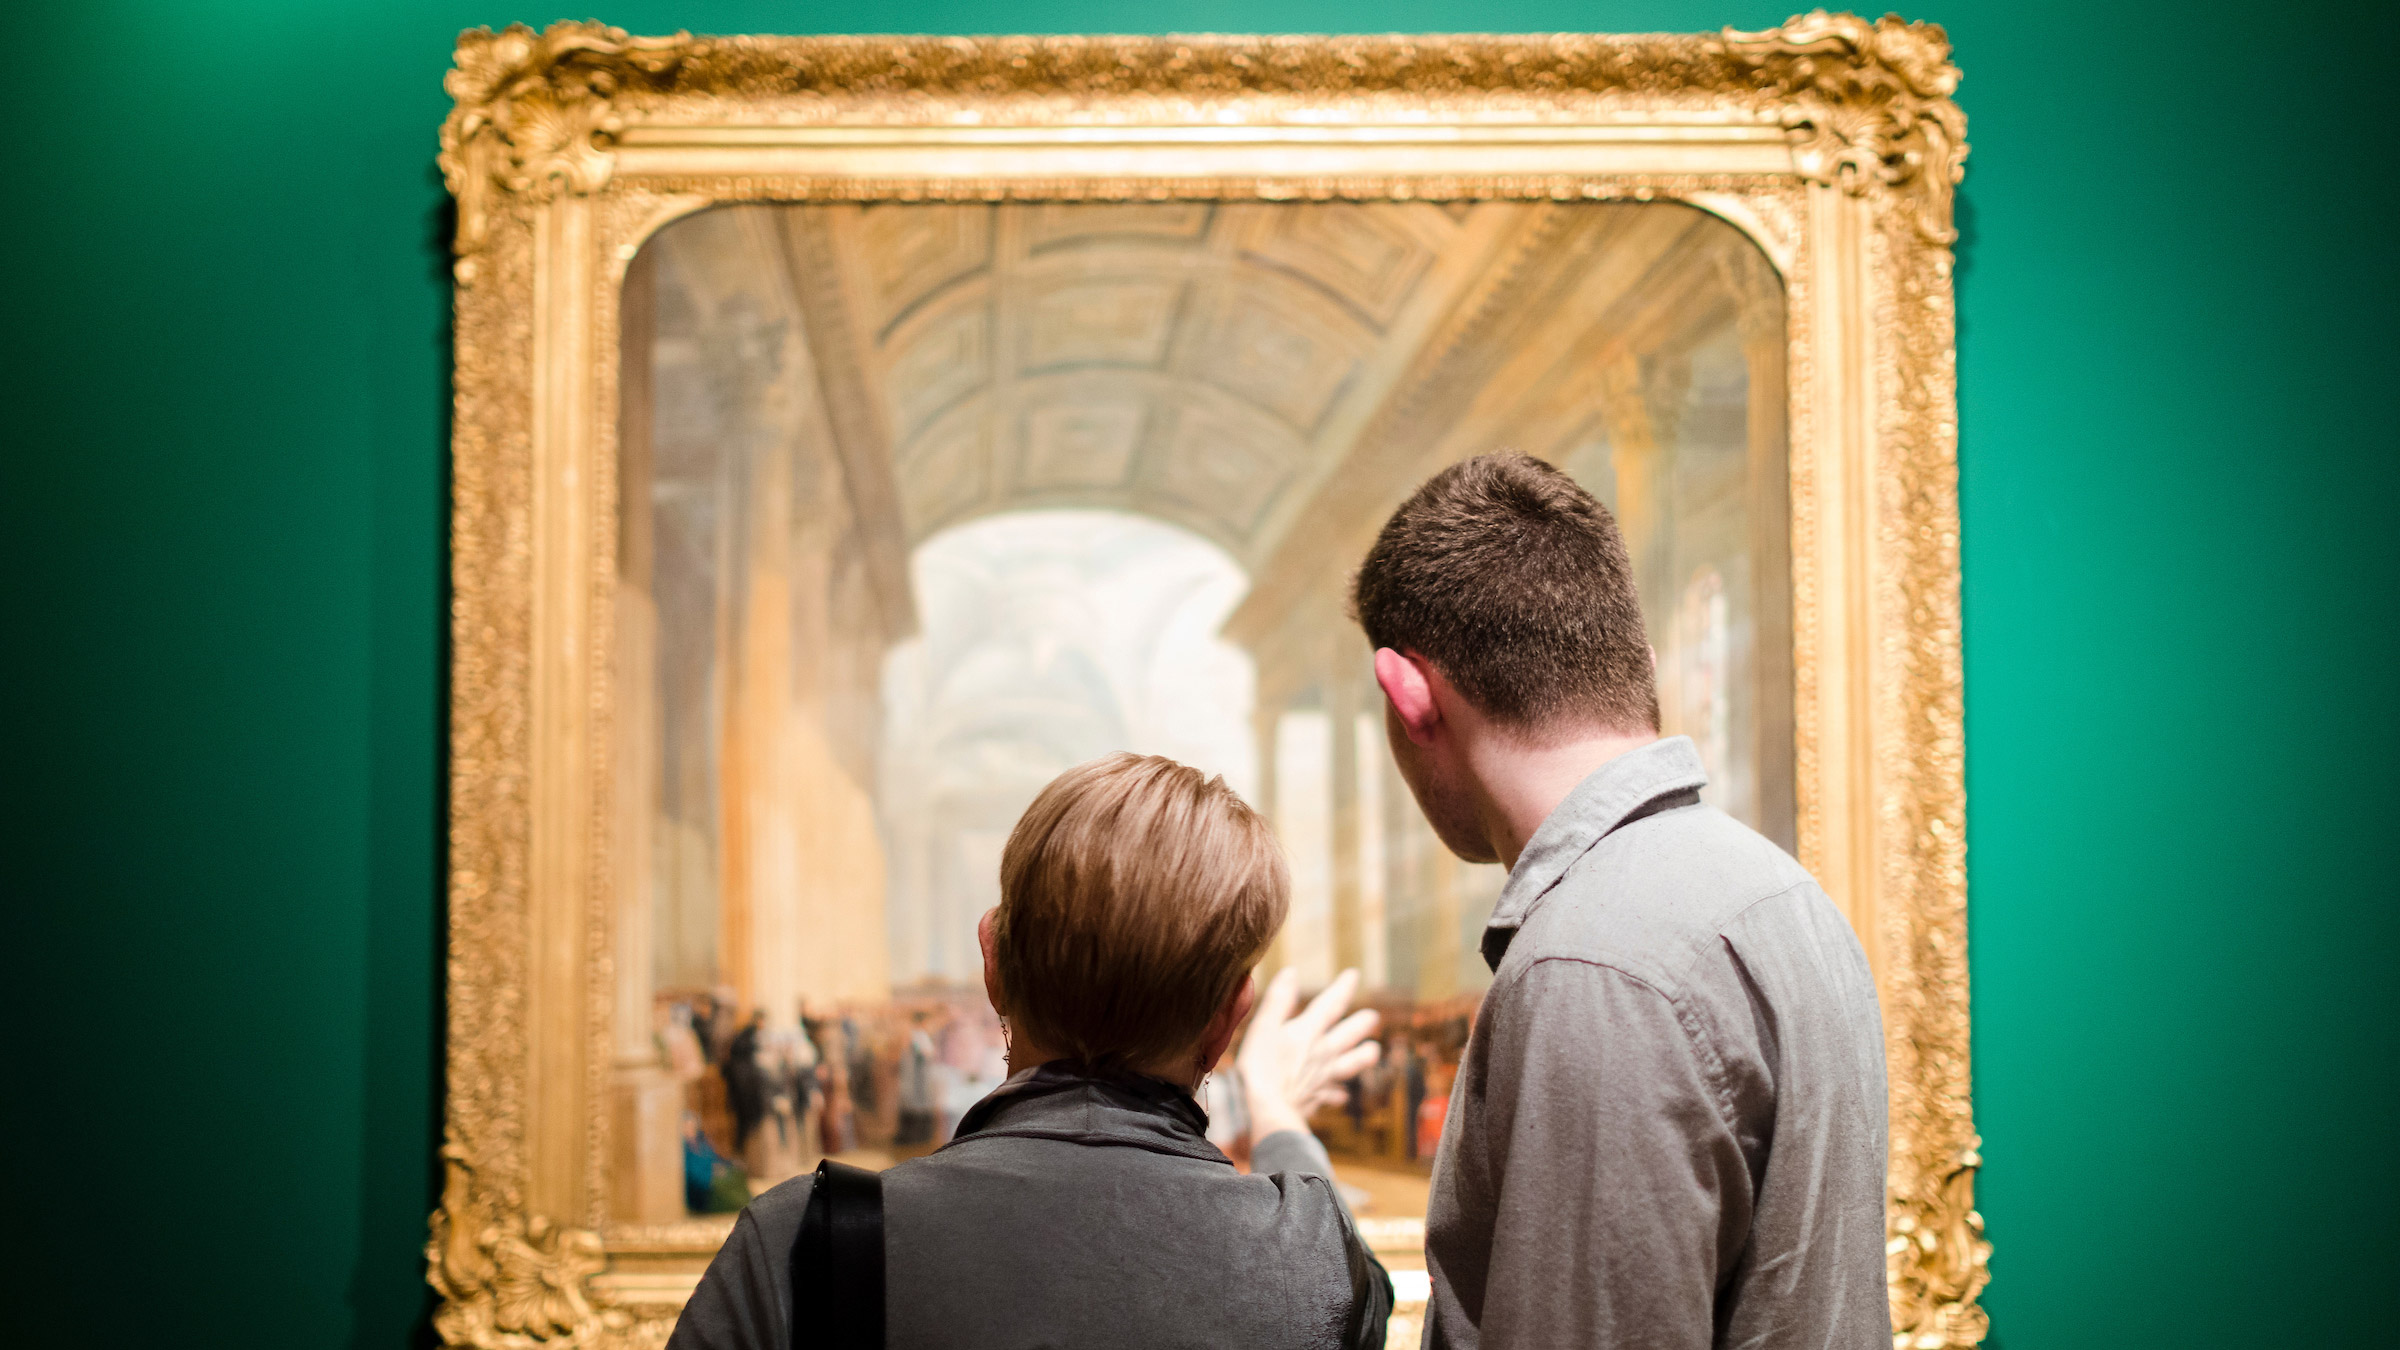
x=223 y=515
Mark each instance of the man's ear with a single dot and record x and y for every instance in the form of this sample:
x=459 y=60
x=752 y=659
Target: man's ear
x=991 y=959
x=1409 y=691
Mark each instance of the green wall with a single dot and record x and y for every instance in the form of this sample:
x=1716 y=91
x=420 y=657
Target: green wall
x=224 y=407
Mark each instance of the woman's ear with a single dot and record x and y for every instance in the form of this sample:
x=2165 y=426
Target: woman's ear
x=984 y=929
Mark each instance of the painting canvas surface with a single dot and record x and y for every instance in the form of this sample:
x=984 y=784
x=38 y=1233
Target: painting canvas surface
x=922 y=504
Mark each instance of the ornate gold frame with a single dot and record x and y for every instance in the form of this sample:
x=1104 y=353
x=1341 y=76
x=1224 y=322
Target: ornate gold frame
x=1832 y=141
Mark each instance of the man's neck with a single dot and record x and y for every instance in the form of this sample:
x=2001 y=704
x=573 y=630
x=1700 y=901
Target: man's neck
x=1523 y=783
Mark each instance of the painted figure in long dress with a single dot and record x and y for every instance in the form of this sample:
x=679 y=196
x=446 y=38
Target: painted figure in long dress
x=785 y=1144
x=916 y=1086
x=835 y=1126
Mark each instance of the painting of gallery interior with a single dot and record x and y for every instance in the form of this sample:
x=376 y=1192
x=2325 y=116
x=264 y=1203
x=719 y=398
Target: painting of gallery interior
x=921 y=504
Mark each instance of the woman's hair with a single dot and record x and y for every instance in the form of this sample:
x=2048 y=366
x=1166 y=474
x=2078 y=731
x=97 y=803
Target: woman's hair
x=1136 y=894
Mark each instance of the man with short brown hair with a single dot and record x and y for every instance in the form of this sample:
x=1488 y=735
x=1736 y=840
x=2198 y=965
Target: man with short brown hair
x=1669 y=1128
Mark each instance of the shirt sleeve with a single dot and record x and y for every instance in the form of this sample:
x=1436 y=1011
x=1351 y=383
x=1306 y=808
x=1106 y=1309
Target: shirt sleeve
x=1621 y=1191
x=1290 y=1151
x=1298 y=1153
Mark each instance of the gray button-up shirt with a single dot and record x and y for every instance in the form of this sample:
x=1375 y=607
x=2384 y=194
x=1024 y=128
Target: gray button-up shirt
x=1669 y=1129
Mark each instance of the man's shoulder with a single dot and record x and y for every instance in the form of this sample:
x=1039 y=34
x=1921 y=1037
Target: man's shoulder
x=1654 y=895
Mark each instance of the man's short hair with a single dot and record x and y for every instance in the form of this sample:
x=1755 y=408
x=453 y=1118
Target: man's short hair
x=1136 y=894
x=1515 y=583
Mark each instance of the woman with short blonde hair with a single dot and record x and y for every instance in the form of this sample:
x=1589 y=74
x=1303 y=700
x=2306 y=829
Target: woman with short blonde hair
x=1081 y=1203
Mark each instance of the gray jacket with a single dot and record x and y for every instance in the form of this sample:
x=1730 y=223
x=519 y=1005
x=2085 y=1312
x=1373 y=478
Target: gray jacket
x=1073 y=1211
x=1669 y=1129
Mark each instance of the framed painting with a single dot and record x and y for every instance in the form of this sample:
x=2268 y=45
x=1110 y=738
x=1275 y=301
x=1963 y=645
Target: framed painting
x=853 y=433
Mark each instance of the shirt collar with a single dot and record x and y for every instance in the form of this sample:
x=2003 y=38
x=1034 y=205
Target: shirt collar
x=1067 y=1100
x=1659 y=775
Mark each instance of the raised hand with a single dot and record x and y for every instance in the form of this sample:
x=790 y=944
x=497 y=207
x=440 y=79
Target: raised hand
x=1292 y=1064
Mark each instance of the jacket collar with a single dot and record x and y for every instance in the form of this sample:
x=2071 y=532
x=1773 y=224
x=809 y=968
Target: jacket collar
x=1665 y=773
x=1065 y=1099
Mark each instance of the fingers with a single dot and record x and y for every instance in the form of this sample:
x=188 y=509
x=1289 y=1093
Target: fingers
x=1355 y=1061
x=1275 y=1006
x=1351 y=1030
x=1330 y=1004
x=1305 y=1058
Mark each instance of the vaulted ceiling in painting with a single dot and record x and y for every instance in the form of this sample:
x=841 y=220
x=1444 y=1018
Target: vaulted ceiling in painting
x=1190 y=361
x=1229 y=367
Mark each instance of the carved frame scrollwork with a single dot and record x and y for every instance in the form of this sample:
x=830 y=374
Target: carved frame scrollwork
x=1832 y=141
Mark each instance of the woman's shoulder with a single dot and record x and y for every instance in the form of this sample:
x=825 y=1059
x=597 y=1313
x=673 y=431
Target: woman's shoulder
x=1054 y=1240
x=769 y=1223
x=1026 y=1183
x=738 y=1304
x=777 y=1209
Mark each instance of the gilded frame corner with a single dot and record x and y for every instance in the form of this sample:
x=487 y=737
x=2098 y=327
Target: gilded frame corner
x=1831 y=140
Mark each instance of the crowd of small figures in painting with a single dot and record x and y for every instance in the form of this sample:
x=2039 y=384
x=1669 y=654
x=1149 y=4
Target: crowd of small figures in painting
x=879 y=1083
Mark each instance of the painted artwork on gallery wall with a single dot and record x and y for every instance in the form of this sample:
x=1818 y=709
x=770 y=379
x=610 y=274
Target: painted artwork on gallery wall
x=921 y=504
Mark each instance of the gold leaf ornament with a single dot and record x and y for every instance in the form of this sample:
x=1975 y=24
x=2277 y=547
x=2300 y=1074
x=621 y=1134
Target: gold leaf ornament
x=535 y=113
x=1939 y=1262
x=507 y=1281
x=1870 y=106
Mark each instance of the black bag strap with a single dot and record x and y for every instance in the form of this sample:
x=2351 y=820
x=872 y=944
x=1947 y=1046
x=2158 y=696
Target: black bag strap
x=837 y=1261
